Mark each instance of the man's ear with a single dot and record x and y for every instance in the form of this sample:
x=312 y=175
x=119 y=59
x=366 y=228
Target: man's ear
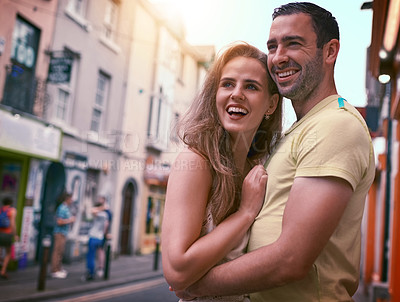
x=331 y=51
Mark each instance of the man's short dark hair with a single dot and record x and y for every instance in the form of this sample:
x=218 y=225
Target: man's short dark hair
x=7 y=201
x=324 y=23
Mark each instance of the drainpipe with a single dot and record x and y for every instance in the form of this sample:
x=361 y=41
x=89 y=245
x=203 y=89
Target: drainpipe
x=385 y=258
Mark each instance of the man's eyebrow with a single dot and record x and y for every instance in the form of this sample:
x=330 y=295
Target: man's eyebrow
x=286 y=39
x=291 y=38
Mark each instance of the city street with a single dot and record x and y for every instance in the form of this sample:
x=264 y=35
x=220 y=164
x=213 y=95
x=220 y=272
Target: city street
x=148 y=291
x=94 y=99
x=131 y=277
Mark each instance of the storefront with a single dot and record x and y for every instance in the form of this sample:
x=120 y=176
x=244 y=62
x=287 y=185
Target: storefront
x=156 y=178
x=30 y=173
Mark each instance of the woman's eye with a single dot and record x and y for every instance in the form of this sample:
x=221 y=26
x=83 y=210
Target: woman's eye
x=227 y=84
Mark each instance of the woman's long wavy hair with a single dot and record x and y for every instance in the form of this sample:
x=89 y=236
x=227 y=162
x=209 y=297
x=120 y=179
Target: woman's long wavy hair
x=203 y=133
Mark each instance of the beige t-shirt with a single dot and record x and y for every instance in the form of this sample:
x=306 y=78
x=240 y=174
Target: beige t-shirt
x=331 y=140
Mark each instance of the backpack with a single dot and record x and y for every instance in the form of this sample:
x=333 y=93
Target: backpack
x=4 y=219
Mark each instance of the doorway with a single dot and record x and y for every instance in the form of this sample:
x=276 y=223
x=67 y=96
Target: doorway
x=54 y=186
x=125 y=247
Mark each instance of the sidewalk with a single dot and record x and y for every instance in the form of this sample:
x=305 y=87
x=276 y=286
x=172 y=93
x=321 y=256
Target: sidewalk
x=22 y=284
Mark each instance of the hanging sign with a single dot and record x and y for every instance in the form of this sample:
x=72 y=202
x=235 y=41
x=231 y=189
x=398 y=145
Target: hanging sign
x=60 y=69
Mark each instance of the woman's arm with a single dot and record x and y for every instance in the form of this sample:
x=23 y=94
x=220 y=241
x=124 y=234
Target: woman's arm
x=186 y=257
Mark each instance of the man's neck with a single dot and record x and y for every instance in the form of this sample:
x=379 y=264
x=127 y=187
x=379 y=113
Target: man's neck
x=302 y=107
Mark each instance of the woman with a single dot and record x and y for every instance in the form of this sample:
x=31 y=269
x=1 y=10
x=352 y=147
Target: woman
x=230 y=128
x=8 y=233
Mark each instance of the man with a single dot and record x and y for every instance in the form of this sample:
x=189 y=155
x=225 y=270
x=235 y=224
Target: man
x=305 y=243
x=63 y=221
x=96 y=239
x=101 y=251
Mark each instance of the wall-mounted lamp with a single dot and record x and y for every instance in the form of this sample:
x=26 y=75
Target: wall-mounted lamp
x=383 y=54
x=384 y=78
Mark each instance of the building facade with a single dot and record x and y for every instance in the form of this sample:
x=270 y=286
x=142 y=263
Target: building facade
x=110 y=79
x=381 y=250
x=164 y=75
x=30 y=172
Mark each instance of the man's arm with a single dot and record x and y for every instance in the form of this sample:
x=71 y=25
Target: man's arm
x=313 y=211
x=61 y=218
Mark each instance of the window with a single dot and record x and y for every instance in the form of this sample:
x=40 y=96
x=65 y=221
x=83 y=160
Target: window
x=77 y=7
x=154 y=214
x=62 y=91
x=174 y=134
x=181 y=67
x=110 y=20
x=62 y=105
x=76 y=10
x=103 y=83
x=95 y=120
x=20 y=85
x=159 y=121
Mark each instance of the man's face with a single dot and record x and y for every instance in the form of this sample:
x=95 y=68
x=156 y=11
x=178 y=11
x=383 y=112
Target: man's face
x=295 y=62
x=101 y=200
x=68 y=200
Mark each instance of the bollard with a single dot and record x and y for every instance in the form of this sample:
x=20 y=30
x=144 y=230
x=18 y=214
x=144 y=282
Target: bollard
x=156 y=223
x=46 y=243
x=156 y=253
x=107 y=264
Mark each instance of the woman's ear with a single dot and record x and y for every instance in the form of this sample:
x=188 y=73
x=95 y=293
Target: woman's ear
x=274 y=99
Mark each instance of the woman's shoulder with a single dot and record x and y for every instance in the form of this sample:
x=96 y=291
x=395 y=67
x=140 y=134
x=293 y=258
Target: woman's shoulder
x=189 y=158
x=190 y=166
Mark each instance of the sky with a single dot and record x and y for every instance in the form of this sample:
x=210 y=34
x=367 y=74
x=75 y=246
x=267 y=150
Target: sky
x=220 y=22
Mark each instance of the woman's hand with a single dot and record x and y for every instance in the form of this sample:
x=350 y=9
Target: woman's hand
x=253 y=191
x=182 y=294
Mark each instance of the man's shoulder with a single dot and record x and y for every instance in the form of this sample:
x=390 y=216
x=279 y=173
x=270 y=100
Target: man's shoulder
x=102 y=214
x=62 y=210
x=339 y=113
x=63 y=207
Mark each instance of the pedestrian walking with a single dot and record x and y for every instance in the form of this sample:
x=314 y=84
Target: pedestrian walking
x=8 y=232
x=97 y=234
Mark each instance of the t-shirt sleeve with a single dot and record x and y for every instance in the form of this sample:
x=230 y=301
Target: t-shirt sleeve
x=339 y=145
x=63 y=212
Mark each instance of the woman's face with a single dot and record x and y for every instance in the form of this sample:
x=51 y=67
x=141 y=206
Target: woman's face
x=242 y=97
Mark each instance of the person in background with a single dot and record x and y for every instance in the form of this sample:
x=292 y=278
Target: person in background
x=217 y=185
x=96 y=239
x=8 y=233
x=101 y=251
x=305 y=244
x=64 y=219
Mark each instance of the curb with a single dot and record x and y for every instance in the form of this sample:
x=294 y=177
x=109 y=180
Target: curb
x=87 y=287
